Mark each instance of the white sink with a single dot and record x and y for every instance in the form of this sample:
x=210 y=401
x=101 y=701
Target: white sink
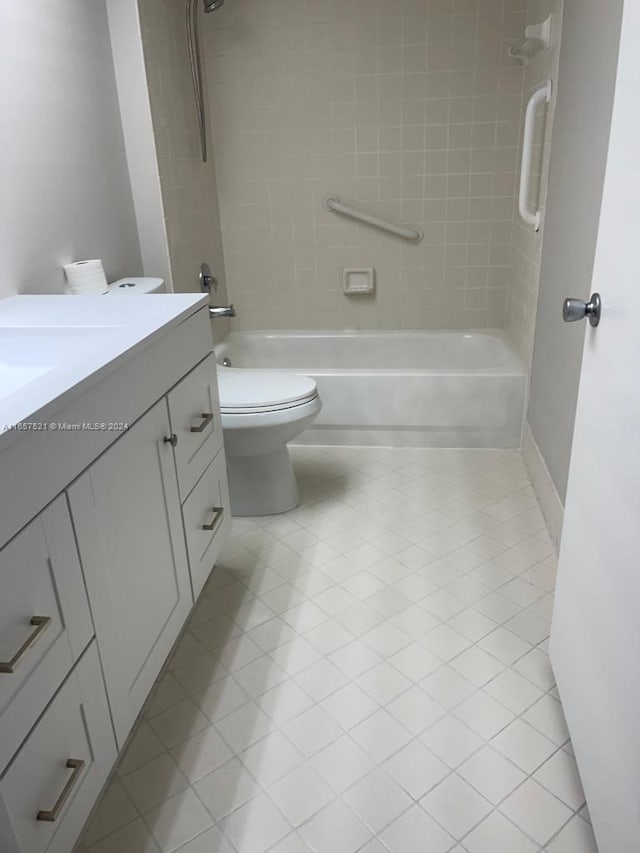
x=27 y=353
x=53 y=348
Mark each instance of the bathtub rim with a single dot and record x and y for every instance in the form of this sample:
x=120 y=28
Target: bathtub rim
x=514 y=364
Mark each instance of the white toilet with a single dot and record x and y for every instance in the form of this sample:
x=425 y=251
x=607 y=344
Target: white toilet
x=261 y=412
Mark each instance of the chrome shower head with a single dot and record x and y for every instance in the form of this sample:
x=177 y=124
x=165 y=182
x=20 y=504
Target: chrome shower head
x=212 y=5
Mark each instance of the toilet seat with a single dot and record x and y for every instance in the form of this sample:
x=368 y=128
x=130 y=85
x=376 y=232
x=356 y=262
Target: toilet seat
x=254 y=391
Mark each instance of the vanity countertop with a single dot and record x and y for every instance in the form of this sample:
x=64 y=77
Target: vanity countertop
x=52 y=348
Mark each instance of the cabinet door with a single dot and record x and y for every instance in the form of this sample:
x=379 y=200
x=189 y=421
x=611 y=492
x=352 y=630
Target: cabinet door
x=45 y=623
x=126 y=512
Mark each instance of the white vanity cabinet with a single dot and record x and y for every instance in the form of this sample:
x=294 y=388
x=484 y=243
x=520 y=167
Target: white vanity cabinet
x=126 y=513
x=107 y=537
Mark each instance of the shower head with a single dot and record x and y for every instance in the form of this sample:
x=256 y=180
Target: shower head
x=212 y=5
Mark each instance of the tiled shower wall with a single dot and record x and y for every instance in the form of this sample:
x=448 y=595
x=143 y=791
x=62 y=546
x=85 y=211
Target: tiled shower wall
x=522 y=295
x=188 y=185
x=410 y=109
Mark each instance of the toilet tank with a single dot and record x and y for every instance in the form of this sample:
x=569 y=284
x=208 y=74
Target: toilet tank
x=137 y=285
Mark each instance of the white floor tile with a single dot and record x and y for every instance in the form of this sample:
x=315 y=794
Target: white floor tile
x=513 y=691
x=271 y=758
x=536 y=667
x=220 y=699
x=445 y=642
x=413 y=579
x=178 y=820
x=342 y=763
x=132 y=838
x=416 y=769
x=504 y=645
x=114 y=811
x=244 y=727
x=383 y=682
x=415 y=830
x=496 y=834
x=335 y=828
x=537 y=812
x=380 y=735
x=456 y=806
x=259 y=676
x=201 y=754
x=284 y=702
x=151 y=784
x=560 y=776
x=312 y=730
x=451 y=741
x=301 y=793
x=483 y=715
x=547 y=716
x=524 y=745
x=143 y=746
x=179 y=723
x=211 y=841
x=575 y=837
x=491 y=774
x=415 y=661
x=447 y=686
x=416 y=710
x=255 y=826
x=226 y=789
x=477 y=666
x=321 y=679
x=349 y=706
x=295 y=655
x=377 y=799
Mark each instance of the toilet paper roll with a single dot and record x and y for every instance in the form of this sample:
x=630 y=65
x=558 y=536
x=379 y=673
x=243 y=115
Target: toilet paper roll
x=85 y=277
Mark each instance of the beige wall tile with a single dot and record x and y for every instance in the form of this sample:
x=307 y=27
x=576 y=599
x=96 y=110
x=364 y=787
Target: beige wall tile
x=410 y=110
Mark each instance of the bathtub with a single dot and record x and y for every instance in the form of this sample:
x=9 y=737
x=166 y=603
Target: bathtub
x=419 y=389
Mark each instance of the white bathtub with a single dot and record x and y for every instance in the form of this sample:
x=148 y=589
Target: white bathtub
x=420 y=389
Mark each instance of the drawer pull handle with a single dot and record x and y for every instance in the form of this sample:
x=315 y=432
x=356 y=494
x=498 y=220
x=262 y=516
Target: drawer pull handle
x=41 y=623
x=207 y=417
x=77 y=765
x=171 y=439
x=218 y=512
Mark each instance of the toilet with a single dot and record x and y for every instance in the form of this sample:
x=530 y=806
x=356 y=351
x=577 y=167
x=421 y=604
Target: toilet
x=261 y=412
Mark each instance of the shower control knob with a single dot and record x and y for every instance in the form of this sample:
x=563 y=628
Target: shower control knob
x=576 y=309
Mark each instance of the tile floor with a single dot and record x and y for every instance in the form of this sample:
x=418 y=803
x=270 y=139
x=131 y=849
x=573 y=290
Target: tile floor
x=367 y=673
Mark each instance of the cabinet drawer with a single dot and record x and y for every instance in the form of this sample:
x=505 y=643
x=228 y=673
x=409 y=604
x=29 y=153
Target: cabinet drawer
x=207 y=521
x=45 y=621
x=194 y=410
x=75 y=727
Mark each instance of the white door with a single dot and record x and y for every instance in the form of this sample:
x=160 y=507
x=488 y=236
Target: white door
x=595 y=638
x=126 y=513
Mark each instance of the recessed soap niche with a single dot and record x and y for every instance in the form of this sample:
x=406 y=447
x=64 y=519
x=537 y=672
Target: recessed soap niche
x=359 y=281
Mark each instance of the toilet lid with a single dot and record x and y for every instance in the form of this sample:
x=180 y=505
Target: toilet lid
x=262 y=390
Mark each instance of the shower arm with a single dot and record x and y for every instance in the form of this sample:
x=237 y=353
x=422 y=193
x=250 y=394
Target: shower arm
x=193 y=41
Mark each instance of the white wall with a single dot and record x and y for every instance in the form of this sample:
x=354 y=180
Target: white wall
x=411 y=108
x=588 y=59
x=63 y=173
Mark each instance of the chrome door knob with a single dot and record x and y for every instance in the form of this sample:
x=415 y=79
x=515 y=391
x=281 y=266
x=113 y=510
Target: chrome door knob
x=576 y=309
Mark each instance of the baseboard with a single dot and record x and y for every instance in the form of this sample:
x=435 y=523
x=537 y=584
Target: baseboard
x=549 y=499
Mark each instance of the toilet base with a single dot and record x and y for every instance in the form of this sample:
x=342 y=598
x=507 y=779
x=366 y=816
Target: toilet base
x=264 y=484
